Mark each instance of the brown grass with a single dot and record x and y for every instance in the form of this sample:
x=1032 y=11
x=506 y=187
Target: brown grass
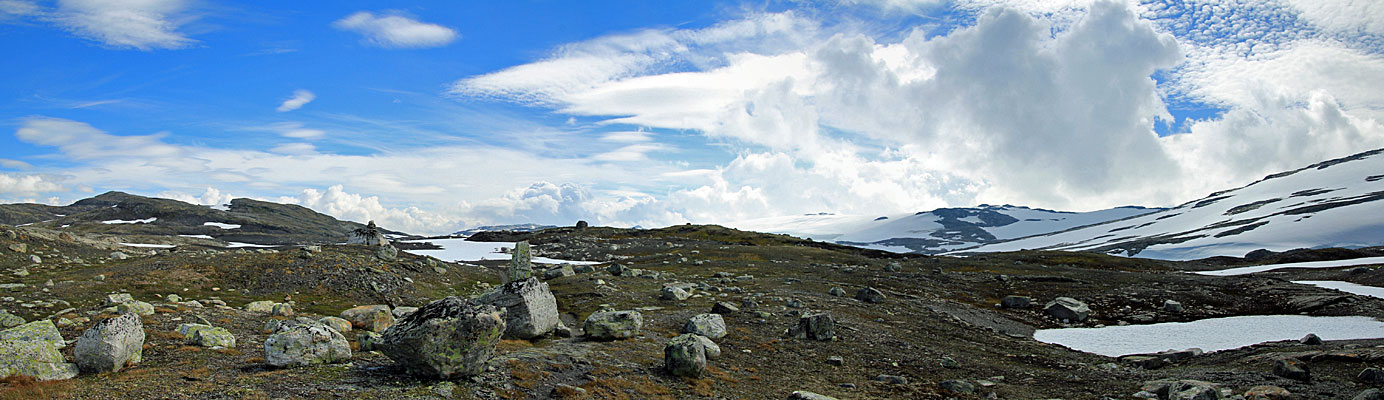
x=20 y=387
x=254 y=360
x=700 y=387
x=189 y=349
x=513 y=344
x=228 y=351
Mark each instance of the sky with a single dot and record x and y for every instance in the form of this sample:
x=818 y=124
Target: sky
x=433 y=116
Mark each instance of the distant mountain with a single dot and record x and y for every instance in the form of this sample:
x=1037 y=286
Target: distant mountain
x=511 y=228
x=1336 y=203
x=243 y=220
x=936 y=231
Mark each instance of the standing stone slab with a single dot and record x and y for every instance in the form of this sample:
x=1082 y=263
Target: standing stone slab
x=110 y=344
x=448 y=338
x=520 y=263
x=530 y=308
x=304 y=342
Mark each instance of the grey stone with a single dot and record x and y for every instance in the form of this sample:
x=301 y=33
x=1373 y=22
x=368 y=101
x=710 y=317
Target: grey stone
x=110 y=344
x=1172 y=306
x=724 y=308
x=448 y=338
x=214 y=337
x=117 y=298
x=137 y=307
x=806 y=395
x=617 y=269
x=282 y=310
x=1292 y=369
x=1016 y=302
x=709 y=325
x=369 y=341
x=957 y=386
x=558 y=272
x=685 y=356
x=819 y=326
x=836 y=360
x=375 y=318
x=1371 y=375
x=304 y=341
x=1311 y=339
x=338 y=323
x=713 y=350
x=387 y=253
x=34 y=356
x=38 y=331
x=892 y=379
x=674 y=293
x=263 y=306
x=119 y=256
x=19 y=247
x=520 y=263
x=611 y=325
x=1068 y=309
x=869 y=295
x=8 y=320
x=530 y=308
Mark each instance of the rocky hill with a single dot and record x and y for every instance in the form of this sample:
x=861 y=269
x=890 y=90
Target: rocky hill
x=160 y=220
x=1335 y=203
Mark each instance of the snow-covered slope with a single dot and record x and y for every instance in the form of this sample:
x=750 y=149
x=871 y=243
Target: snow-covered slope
x=935 y=231
x=1336 y=203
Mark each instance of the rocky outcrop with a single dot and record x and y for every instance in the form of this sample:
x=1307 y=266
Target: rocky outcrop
x=530 y=308
x=305 y=342
x=110 y=344
x=446 y=339
x=611 y=325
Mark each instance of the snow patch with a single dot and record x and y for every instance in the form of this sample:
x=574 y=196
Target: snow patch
x=456 y=250
x=198 y=236
x=221 y=225
x=133 y=221
x=1307 y=264
x=149 y=245
x=1213 y=334
x=1348 y=287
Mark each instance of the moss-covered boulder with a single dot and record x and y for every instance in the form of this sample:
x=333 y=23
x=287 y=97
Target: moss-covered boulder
x=42 y=331
x=39 y=359
x=446 y=339
x=685 y=356
x=611 y=325
x=213 y=337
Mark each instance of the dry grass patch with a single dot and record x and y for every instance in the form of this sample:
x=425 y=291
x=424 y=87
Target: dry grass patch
x=19 y=387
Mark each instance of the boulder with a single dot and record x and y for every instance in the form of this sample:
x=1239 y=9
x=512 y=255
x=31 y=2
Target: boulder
x=387 y=252
x=819 y=326
x=1016 y=302
x=1311 y=339
x=282 y=310
x=401 y=312
x=375 y=318
x=305 y=342
x=136 y=307
x=838 y=292
x=34 y=356
x=1193 y=390
x=1371 y=375
x=38 y=331
x=263 y=306
x=213 y=337
x=340 y=324
x=118 y=256
x=617 y=269
x=448 y=338
x=709 y=325
x=1067 y=309
x=369 y=341
x=558 y=272
x=674 y=293
x=8 y=320
x=110 y=344
x=1292 y=369
x=685 y=356
x=530 y=310
x=806 y=395
x=1267 y=392
x=957 y=386
x=713 y=350
x=724 y=307
x=1172 y=306
x=869 y=295
x=19 y=247
x=117 y=298
x=187 y=329
x=611 y=325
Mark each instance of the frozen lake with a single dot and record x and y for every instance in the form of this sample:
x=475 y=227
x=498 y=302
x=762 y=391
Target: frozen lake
x=1308 y=264
x=458 y=250
x=1347 y=287
x=1209 y=334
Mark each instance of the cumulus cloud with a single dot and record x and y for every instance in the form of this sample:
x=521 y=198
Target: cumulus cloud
x=335 y=201
x=138 y=24
x=300 y=98
x=210 y=197
x=395 y=31
x=27 y=185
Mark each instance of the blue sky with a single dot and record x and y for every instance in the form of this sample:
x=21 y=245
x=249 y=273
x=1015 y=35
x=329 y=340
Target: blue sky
x=433 y=116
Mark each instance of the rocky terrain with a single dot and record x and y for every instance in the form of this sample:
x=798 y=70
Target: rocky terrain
x=679 y=312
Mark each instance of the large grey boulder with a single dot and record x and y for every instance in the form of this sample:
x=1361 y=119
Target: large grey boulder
x=685 y=356
x=375 y=318
x=1068 y=309
x=31 y=351
x=611 y=325
x=559 y=271
x=110 y=344
x=530 y=308
x=709 y=325
x=674 y=293
x=446 y=339
x=819 y=326
x=305 y=342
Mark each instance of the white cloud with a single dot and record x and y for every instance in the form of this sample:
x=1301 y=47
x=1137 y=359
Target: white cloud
x=138 y=24
x=1358 y=16
x=210 y=197
x=626 y=137
x=81 y=141
x=396 y=31
x=300 y=98
x=14 y=164
x=27 y=185
x=291 y=129
x=335 y=201
x=294 y=149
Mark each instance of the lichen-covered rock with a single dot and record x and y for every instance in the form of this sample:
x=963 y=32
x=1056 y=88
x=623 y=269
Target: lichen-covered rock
x=870 y=295
x=709 y=325
x=530 y=308
x=117 y=298
x=401 y=312
x=375 y=318
x=685 y=356
x=369 y=341
x=340 y=324
x=713 y=350
x=819 y=326
x=39 y=359
x=1067 y=309
x=520 y=263
x=611 y=325
x=212 y=337
x=282 y=310
x=8 y=320
x=263 y=306
x=187 y=329
x=446 y=339
x=305 y=342
x=38 y=331
x=674 y=293
x=558 y=272
x=135 y=307
x=110 y=344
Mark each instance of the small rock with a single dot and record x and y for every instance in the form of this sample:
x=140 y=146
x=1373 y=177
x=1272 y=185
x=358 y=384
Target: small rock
x=35 y=260
x=869 y=295
x=836 y=291
x=1292 y=369
x=1311 y=339
x=617 y=269
x=263 y=306
x=806 y=395
x=565 y=391
x=375 y=318
x=369 y=341
x=709 y=325
x=282 y=310
x=1016 y=302
x=387 y=252
x=117 y=298
x=948 y=362
x=957 y=386
x=724 y=308
x=835 y=360
x=19 y=247
x=8 y=320
x=611 y=325
x=110 y=344
x=173 y=298
x=1267 y=392
x=118 y=256
x=818 y=326
x=559 y=272
x=137 y=307
x=892 y=379
x=674 y=293
x=214 y=337
x=1172 y=306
